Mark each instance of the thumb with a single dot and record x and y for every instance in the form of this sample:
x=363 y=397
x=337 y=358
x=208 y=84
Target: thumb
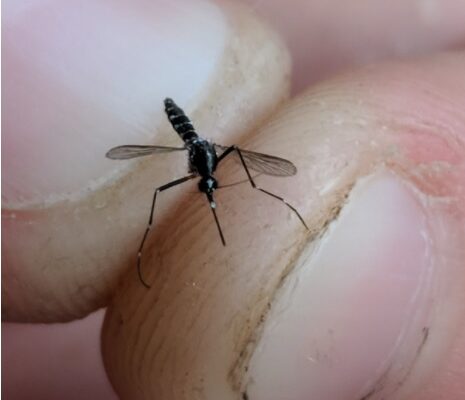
x=95 y=76
x=364 y=305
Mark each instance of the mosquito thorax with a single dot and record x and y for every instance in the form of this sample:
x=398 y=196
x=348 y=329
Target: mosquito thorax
x=208 y=184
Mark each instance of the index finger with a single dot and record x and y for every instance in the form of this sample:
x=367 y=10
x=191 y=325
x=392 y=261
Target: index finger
x=72 y=218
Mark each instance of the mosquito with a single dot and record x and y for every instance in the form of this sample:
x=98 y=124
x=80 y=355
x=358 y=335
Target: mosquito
x=203 y=157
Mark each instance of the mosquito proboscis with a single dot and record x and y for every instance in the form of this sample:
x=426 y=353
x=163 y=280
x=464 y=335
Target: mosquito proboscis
x=204 y=157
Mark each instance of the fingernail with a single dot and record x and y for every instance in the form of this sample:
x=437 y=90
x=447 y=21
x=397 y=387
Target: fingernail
x=352 y=318
x=79 y=77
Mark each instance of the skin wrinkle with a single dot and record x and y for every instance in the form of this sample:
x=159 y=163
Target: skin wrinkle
x=381 y=382
x=429 y=130
x=425 y=332
x=154 y=326
x=378 y=386
x=166 y=311
x=166 y=244
x=245 y=347
x=429 y=179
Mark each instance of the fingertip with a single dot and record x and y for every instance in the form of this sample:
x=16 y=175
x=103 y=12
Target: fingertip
x=79 y=216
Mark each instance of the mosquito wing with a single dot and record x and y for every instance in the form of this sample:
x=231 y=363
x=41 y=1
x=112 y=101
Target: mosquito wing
x=131 y=151
x=264 y=163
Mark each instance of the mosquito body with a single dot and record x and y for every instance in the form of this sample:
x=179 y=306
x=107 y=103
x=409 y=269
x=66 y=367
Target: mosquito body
x=204 y=157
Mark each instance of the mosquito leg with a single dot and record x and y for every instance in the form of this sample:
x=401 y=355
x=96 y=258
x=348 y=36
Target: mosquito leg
x=229 y=150
x=225 y=153
x=149 y=225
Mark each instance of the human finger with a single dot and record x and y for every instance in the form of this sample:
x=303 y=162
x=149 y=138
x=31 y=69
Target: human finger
x=325 y=37
x=366 y=304
x=80 y=78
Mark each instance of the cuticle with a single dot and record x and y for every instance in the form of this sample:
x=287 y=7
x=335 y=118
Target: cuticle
x=237 y=375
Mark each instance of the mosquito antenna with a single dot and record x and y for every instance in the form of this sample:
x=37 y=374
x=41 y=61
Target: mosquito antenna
x=213 y=208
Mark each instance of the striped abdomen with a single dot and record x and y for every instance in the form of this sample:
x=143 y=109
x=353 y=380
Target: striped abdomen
x=181 y=123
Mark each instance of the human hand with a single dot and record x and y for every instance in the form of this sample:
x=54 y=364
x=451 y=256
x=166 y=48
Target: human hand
x=312 y=122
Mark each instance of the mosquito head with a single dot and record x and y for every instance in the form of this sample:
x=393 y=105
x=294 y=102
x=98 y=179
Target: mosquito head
x=208 y=185
x=168 y=102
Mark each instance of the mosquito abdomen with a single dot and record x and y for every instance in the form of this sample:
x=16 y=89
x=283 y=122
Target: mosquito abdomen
x=181 y=123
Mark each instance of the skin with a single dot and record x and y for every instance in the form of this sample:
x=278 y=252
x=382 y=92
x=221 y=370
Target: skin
x=358 y=107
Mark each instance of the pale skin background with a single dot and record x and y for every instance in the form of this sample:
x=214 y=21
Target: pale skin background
x=324 y=38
